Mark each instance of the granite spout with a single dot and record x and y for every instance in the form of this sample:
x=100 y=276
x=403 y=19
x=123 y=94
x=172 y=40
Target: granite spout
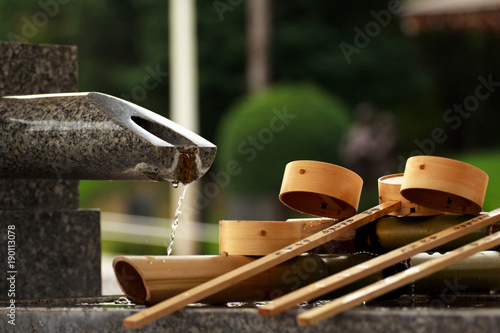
x=95 y=136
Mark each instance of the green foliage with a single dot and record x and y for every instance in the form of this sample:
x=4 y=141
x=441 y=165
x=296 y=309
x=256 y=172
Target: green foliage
x=117 y=40
x=132 y=248
x=91 y=192
x=265 y=131
x=416 y=78
x=488 y=161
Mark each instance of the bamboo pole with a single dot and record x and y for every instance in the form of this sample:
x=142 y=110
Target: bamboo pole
x=152 y=279
x=224 y=281
x=355 y=273
x=396 y=281
x=390 y=232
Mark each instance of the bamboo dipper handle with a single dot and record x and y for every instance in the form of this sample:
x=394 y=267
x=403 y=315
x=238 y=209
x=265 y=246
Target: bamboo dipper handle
x=393 y=282
x=358 y=272
x=244 y=272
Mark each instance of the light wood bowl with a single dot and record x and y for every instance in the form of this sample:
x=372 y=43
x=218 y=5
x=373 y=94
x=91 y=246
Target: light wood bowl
x=321 y=189
x=444 y=184
x=389 y=189
x=259 y=238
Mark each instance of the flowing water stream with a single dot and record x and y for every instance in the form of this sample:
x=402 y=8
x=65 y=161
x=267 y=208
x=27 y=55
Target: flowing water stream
x=175 y=223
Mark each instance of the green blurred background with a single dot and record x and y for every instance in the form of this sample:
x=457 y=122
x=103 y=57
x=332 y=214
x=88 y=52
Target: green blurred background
x=405 y=84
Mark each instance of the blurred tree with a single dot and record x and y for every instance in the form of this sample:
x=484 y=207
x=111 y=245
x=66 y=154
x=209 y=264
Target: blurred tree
x=120 y=42
x=264 y=131
x=416 y=78
x=457 y=61
x=387 y=71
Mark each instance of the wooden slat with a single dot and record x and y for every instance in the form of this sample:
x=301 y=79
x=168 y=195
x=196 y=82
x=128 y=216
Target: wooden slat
x=215 y=285
x=360 y=271
x=396 y=281
x=259 y=238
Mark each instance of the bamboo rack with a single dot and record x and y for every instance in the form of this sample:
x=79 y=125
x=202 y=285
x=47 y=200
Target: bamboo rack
x=224 y=281
x=327 y=190
x=393 y=282
x=355 y=273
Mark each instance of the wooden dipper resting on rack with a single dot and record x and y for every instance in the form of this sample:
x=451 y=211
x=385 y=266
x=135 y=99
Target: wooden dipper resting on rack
x=403 y=278
x=451 y=195
x=321 y=189
x=315 y=188
x=444 y=184
x=259 y=238
x=389 y=189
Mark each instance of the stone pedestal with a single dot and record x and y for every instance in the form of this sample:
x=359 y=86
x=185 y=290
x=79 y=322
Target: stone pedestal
x=57 y=250
x=82 y=316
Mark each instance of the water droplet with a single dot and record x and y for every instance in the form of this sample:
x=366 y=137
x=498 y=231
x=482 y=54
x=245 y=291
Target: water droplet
x=235 y=304
x=175 y=184
x=122 y=300
x=196 y=305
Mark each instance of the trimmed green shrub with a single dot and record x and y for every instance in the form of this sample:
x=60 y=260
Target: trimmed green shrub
x=263 y=132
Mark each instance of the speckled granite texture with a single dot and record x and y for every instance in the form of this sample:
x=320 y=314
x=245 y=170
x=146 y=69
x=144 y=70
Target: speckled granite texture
x=84 y=135
x=37 y=69
x=36 y=194
x=81 y=319
x=57 y=246
x=96 y=136
x=56 y=253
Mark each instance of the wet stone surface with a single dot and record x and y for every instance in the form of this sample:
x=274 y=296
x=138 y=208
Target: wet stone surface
x=106 y=314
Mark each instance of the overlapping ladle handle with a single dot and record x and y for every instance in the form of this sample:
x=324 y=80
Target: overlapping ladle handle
x=377 y=264
x=401 y=279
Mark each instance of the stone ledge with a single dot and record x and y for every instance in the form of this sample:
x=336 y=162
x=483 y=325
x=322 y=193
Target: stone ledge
x=107 y=318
